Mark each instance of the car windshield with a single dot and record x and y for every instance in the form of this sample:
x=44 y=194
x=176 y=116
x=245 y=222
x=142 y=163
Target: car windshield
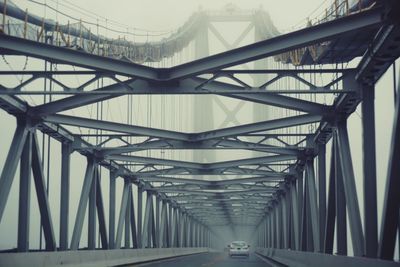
x=238 y=244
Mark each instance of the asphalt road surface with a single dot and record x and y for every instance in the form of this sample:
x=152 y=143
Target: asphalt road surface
x=215 y=259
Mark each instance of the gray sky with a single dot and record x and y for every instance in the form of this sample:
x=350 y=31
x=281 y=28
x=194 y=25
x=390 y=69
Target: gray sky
x=169 y=15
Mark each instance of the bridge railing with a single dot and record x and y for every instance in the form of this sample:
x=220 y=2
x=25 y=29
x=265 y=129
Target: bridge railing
x=339 y=8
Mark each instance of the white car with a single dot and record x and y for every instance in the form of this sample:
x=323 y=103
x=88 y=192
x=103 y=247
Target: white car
x=238 y=248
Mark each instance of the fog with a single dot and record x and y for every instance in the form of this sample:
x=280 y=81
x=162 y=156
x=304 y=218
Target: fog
x=150 y=21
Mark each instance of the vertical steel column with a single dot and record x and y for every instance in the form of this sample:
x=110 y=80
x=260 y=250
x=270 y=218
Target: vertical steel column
x=307 y=217
x=264 y=232
x=42 y=197
x=158 y=237
x=341 y=220
x=278 y=224
x=285 y=225
x=273 y=226
x=100 y=214
x=139 y=216
x=289 y=217
x=111 y=222
x=92 y=211
x=266 y=229
x=189 y=231
x=170 y=227
x=350 y=191
x=331 y=212
x=193 y=235
x=133 y=221
x=390 y=215
x=196 y=234
x=312 y=196
x=64 y=198
x=199 y=242
x=122 y=213
x=300 y=203
x=295 y=216
x=128 y=219
x=183 y=230
x=304 y=222
x=24 y=196
x=176 y=229
x=153 y=225
x=10 y=165
x=146 y=231
x=322 y=191
x=162 y=237
x=369 y=167
x=204 y=237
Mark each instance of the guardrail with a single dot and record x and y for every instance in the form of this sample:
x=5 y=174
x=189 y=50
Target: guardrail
x=287 y=257
x=96 y=258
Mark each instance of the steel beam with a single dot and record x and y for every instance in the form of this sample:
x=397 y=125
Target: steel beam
x=285 y=222
x=340 y=197
x=257 y=127
x=114 y=127
x=100 y=214
x=92 y=212
x=369 y=171
x=127 y=223
x=350 y=190
x=65 y=193
x=170 y=228
x=280 y=44
x=10 y=165
x=251 y=161
x=312 y=196
x=156 y=161
x=68 y=56
x=331 y=212
x=80 y=100
x=24 y=196
x=122 y=212
x=390 y=215
x=157 y=222
x=133 y=221
x=256 y=96
x=163 y=225
x=212 y=144
x=146 y=232
x=80 y=215
x=140 y=216
x=111 y=216
x=295 y=216
x=322 y=192
x=42 y=196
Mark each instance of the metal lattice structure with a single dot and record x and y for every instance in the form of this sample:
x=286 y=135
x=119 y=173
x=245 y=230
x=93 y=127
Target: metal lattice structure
x=280 y=193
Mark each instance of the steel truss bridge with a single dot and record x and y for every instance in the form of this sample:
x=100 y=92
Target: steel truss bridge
x=292 y=207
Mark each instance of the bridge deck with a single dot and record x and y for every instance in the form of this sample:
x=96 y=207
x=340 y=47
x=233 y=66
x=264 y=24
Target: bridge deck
x=214 y=259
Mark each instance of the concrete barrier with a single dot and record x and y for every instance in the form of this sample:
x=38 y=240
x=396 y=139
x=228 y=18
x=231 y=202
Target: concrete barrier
x=295 y=258
x=93 y=258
